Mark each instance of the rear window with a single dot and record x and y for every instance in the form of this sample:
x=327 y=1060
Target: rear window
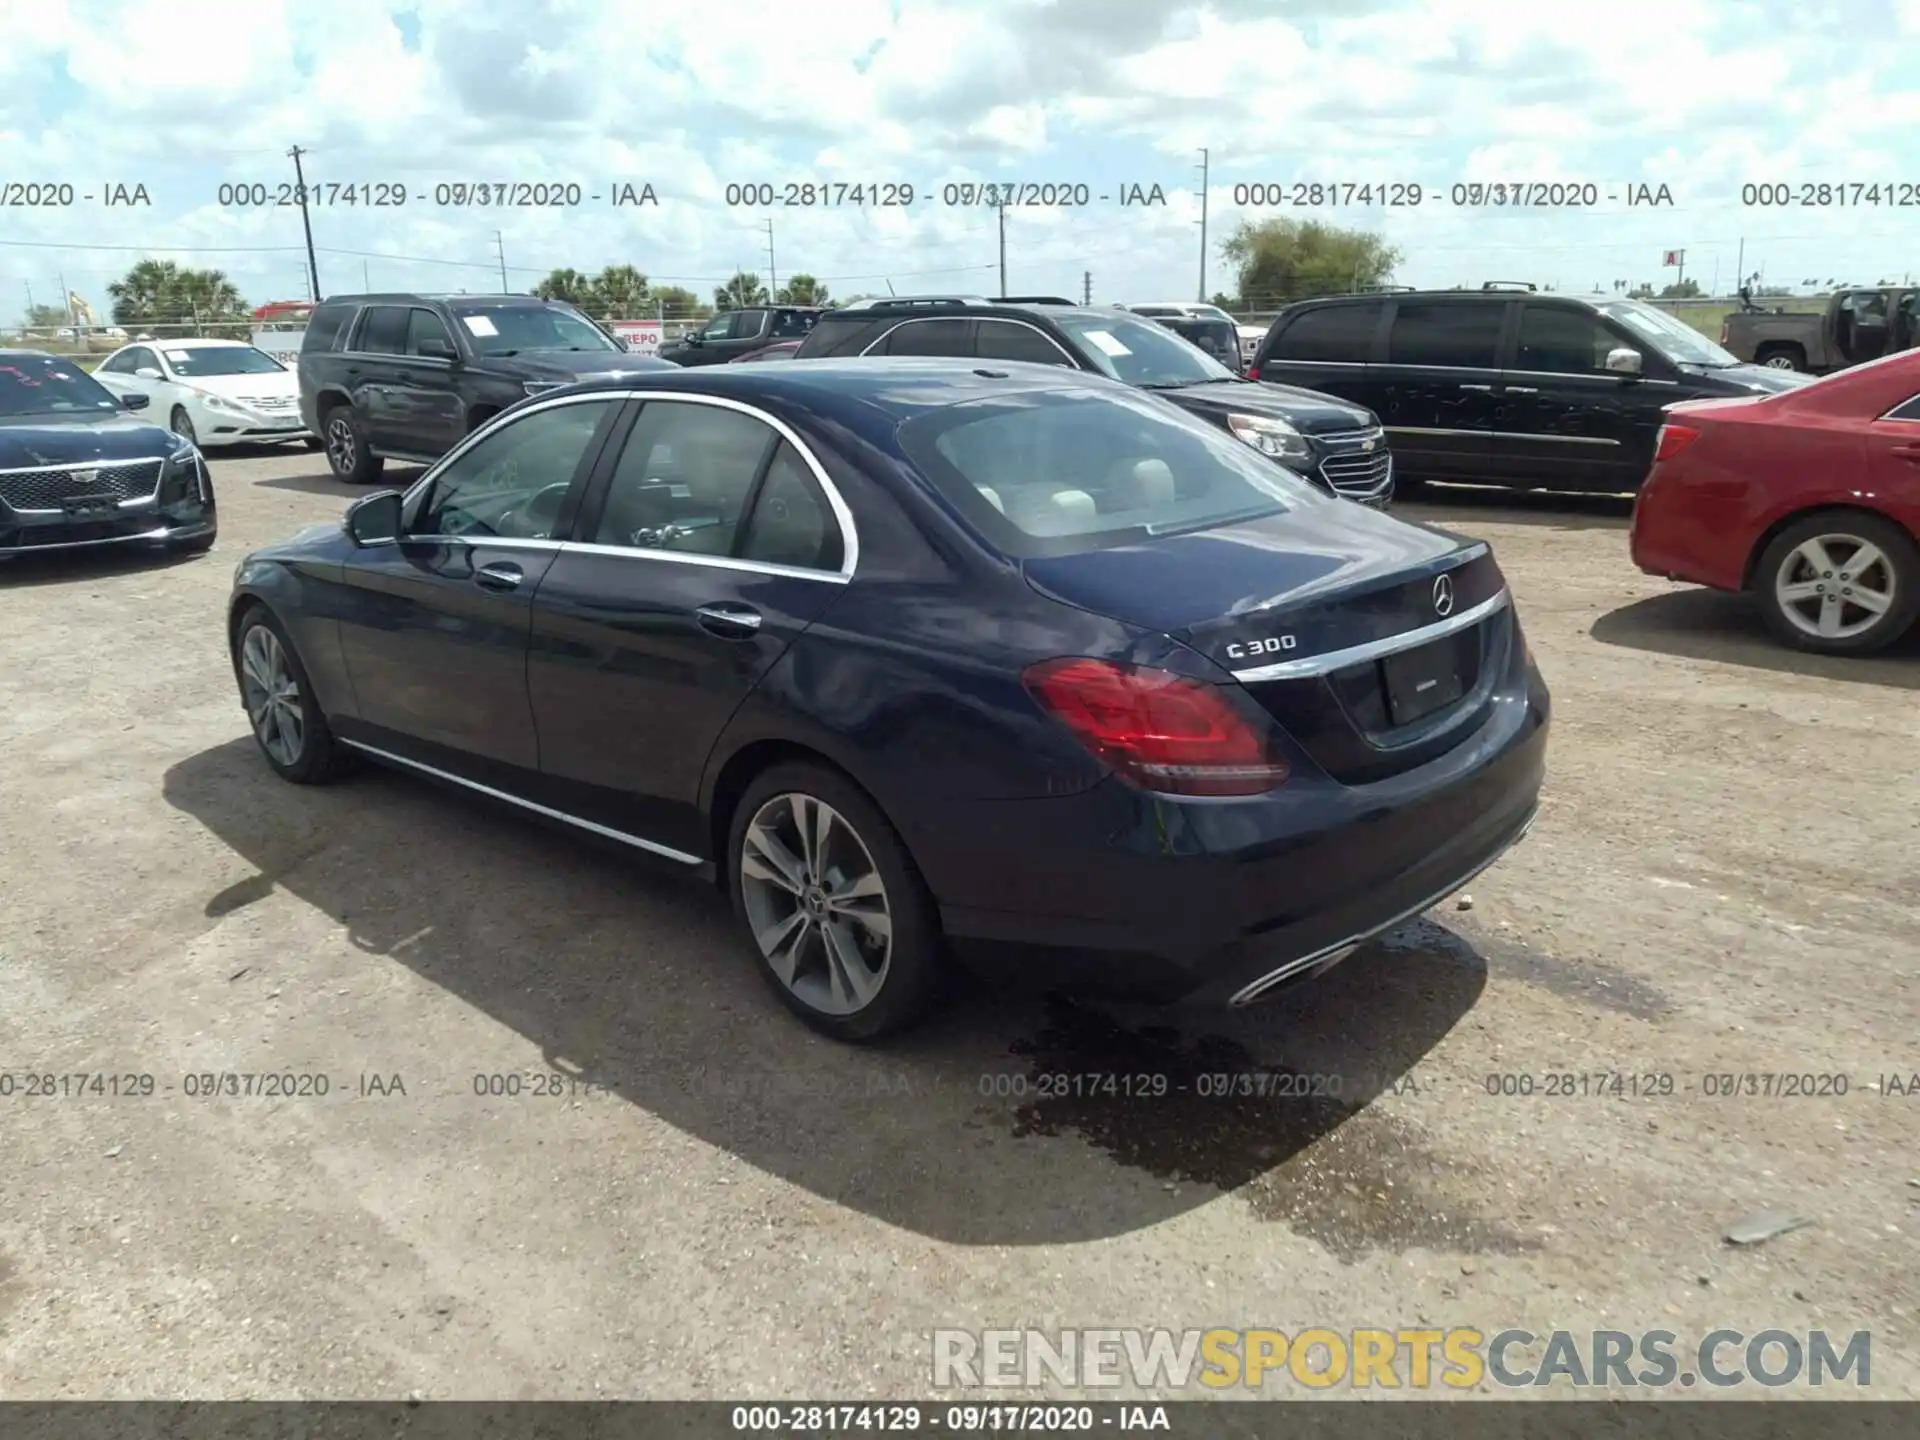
x=1342 y=334
x=1057 y=472
x=325 y=326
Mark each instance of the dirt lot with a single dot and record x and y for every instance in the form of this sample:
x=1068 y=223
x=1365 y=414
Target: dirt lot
x=1722 y=882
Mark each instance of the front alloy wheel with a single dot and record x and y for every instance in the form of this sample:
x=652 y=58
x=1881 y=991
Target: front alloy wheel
x=272 y=697
x=816 y=904
x=182 y=425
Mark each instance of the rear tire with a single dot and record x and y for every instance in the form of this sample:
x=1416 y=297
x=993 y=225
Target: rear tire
x=832 y=904
x=1781 y=357
x=292 y=734
x=347 y=450
x=1840 y=582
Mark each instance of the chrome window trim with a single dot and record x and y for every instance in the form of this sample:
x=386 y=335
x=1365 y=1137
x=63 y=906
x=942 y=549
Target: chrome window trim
x=1332 y=660
x=688 y=557
x=1894 y=414
x=842 y=513
x=651 y=846
x=1324 y=364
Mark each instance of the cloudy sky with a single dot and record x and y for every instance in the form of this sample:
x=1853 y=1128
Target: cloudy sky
x=1701 y=96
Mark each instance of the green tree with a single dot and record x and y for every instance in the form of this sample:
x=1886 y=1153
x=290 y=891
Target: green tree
x=742 y=290
x=1224 y=301
x=568 y=285
x=620 y=292
x=161 y=292
x=674 y=302
x=1642 y=291
x=802 y=289
x=1685 y=290
x=1282 y=260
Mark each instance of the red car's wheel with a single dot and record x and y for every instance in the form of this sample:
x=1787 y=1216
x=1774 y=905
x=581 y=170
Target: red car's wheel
x=1842 y=582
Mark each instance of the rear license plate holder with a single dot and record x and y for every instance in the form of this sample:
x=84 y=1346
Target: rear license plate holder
x=1420 y=681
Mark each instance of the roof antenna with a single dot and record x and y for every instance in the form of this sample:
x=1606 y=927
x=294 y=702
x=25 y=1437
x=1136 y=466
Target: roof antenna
x=890 y=289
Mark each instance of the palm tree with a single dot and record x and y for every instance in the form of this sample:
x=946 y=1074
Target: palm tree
x=742 y=290
x=567 y=285
x=161 y=292
x=620 y=292
x=802 y=290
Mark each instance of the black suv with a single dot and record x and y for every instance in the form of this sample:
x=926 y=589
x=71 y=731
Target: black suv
x=1508 y=387
x=1338 y=446
x=732 y=333
x=76 y=470
x=406 y=377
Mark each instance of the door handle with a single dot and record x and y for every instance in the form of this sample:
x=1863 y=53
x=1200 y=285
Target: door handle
x=1488 y=388
x=499 y=576
x=1523 y=390
x=1907 y=452
x=729 y=621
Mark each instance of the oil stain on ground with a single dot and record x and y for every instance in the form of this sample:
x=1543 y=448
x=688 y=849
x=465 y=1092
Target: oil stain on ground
x=1329 y=1167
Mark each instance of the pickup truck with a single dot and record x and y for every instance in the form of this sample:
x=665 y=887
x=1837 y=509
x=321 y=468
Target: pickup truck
x=1857 y=325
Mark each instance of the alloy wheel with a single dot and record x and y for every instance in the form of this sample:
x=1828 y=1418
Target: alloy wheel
x=183 y=427
x=340 y=445
x=1835 y=586
x=272 y=696
x=816 y=904
x=1778 y=362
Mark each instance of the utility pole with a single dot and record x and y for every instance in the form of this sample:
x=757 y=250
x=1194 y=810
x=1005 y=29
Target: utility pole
x=29 y=285
x=366 y=279
x=1003 y=245
x=306 y=224
x=1202 y=297
x=1740 y=265
x=773 y=275
x=66 y=298
x=500 y=248
x=1086 y=287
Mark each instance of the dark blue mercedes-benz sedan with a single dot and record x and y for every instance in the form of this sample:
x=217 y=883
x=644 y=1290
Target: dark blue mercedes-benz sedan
x=920 y=656
x=77 y=471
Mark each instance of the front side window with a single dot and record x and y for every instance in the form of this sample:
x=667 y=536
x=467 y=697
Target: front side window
x=1673 y=338
x=427 y=335
x=511 y=483
x=1056 y=472
x=1554 y=341
x=719 y=327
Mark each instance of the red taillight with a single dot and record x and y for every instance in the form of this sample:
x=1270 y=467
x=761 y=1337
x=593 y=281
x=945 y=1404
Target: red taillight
x=1673 y=439
x=1253 y=372
x=1162 y=731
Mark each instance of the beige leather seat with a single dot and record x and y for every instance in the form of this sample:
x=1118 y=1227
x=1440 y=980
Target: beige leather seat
x=1040 y=511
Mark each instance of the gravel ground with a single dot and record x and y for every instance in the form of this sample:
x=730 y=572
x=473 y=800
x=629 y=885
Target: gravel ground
x=1721 y=883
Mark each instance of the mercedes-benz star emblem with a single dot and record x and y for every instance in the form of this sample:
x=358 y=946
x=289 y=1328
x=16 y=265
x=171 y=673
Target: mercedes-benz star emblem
x=1443 y=595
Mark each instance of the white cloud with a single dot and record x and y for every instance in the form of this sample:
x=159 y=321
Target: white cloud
x=692 y=95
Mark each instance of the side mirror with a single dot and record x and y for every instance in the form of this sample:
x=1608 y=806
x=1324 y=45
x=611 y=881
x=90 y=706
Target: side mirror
x=1624 y=360
x=147 y=372
x=134 y=401
x=692 y=337
x=373 y=519
x=435 y=348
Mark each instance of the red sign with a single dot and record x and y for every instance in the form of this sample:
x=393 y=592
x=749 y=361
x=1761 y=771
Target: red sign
x=1675 y=257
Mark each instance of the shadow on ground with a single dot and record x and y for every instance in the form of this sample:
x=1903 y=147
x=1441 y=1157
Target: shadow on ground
x=73 y=567
x=1006 y=1120
x=322 y=482
x=1451 y=505
x=1714 y=625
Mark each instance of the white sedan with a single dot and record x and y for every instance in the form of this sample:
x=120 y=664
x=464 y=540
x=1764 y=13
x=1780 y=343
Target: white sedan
x=212 y=392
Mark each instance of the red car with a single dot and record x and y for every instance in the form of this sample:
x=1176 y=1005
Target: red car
x=1809 y=500
x=781 y=351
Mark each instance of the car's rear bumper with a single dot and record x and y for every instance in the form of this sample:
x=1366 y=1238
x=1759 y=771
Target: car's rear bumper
x=1122 y=893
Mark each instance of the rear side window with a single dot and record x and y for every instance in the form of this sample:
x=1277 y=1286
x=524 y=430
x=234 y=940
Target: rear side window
x=1453 y=335
x=1342 y=334
x=1056 y=472
x=792 y=324
x=791 y=523
x=383 y=331
x=325 y=325
x=1907 y=410
x=927 y=337
x=839 y=337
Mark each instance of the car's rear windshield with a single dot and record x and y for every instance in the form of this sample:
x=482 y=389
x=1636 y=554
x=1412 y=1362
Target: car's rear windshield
x=1057 y=472
x=50 y=385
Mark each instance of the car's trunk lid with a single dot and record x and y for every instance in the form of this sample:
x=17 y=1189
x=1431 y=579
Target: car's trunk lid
x=1374 y=642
